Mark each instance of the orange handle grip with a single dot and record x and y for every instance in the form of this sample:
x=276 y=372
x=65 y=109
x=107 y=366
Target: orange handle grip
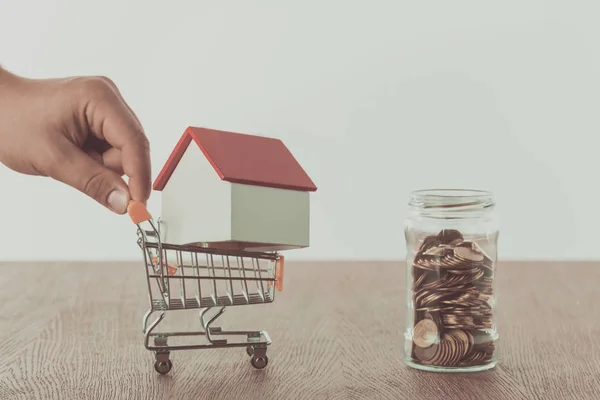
x=138 y=212
x=279 y=274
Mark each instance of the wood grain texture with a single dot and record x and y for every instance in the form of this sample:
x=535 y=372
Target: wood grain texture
x=73 y=331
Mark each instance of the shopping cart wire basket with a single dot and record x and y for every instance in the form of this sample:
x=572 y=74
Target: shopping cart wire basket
x=181 y=277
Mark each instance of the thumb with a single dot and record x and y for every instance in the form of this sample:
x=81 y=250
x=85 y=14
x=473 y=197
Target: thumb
x=80 y=171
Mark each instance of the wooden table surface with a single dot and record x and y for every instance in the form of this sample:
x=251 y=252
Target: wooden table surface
x=73 y=331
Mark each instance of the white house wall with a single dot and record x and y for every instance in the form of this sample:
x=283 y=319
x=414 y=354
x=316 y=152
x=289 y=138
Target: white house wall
x=270 y=215
x=196 y=203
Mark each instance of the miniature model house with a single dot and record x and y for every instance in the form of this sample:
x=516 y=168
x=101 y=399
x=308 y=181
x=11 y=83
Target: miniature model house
x=232 y=190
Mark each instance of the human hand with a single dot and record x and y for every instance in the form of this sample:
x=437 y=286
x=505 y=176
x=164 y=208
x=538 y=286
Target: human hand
x=78 y=131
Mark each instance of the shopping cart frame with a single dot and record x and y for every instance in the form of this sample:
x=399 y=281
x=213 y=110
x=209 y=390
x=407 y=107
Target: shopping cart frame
x=158 y=272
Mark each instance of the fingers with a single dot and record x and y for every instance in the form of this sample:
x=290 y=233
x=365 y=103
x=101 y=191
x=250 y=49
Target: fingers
x=112 y=160
x=75 y=168
x=101 y=152
x=135 y=158
x=111 y=119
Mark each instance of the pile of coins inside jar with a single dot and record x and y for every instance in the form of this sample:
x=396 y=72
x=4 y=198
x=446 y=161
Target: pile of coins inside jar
x=451 y=288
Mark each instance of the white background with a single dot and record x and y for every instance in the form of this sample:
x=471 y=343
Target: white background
x=375 y=98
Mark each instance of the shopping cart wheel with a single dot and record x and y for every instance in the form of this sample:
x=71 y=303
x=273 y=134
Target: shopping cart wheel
x=163 y=367
x=259 y=362
x=250 y=350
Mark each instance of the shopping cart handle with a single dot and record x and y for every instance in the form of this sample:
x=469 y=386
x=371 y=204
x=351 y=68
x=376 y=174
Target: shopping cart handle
x=138 y=212
x=279 y=273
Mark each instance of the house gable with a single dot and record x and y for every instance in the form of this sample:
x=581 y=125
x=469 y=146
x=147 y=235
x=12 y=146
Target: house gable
x=196 y=201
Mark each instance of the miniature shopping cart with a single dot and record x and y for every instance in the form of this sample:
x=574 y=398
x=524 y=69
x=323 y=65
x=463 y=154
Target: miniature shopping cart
x=191 y=277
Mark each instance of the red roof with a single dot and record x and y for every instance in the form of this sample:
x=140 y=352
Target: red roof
x=241 y=158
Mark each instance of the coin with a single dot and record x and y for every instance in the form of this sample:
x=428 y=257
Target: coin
x=478 y=275
x=428 y=242
x=455 y=349
x=431 y=240
x=449 y=235
x=434 y=315
x=429 y=263
x=465 y=253
x=451 y=319
x=437 y=251
x=462 y=346
x=451 y=346
x=419 y=281
x=471 y=340
x=434 y=297
x=452 y=283
x=462 y=271
x=464 y=340
x=426 y=354
x=442 y=281
x=440 y=354
x=465 y=327
x=432 y=263
x=451 y=261
x=423 y=265
x=456 y=242
x=425 y=333
x=475 y=358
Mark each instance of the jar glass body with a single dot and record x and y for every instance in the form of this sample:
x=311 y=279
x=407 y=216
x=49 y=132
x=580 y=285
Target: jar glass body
x=451 y=254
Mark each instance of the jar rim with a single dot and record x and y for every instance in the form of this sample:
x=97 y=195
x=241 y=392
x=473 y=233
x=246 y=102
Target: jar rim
x=451 y=198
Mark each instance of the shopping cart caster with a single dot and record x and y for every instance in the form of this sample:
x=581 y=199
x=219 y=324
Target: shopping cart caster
x=163 y=364
x=250 y=350
x=163 y=367
x=259 y=362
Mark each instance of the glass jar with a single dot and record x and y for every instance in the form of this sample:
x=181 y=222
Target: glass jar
x=451 y=253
